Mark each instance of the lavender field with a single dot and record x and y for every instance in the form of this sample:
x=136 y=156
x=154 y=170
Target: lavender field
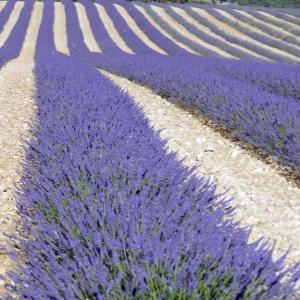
x=149 y=151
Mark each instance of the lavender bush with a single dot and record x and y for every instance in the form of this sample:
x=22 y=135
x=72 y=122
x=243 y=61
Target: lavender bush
x=278 y=79
x=262 y=119
x=108 y=214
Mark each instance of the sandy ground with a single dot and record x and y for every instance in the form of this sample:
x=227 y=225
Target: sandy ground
x=17 y=110
x=84 y=24
x=2 y=4
x=60 y=35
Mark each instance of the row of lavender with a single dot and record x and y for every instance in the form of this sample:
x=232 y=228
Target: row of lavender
x=227 y=42
x=108 y=214
x=229 y=39
x=277 y=40
x=286 y=43
x=257 y=102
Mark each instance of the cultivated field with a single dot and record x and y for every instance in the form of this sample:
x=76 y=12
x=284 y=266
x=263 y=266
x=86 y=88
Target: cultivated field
x=105 y=108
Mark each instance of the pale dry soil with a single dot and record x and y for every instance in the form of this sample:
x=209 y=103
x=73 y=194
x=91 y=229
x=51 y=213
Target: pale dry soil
x=17 y=111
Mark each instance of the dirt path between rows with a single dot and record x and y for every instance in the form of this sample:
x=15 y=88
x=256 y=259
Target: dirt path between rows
x=17 y=110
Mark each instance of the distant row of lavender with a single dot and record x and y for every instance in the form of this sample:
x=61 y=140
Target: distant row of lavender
x=276 y=22
x=13 y=45
x=272 y=41
x=157 y=37
x=276 y=78
x=281 y=34
x=248 y=44
x=108 y=214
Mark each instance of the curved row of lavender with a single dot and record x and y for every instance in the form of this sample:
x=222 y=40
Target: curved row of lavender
x=13 y=45
x=243 y=97
x=227 y=47
x=273 y=21
x=272 y=41
x=108 y=214
x=286 y=14
x=272 y=30
x=244 y=43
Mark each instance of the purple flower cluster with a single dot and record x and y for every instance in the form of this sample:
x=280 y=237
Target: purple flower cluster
x=108 y=214
x=257 y=102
